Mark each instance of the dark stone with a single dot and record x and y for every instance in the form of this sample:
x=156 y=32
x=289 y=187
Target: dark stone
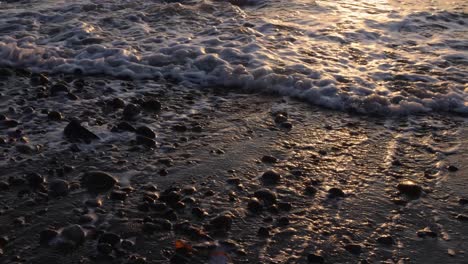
x=267 y=196
x=452 y=168
x=74 y=131
x=310 y=190
x=146 y=132
x=104 y=248
x=8 y=123
x=280 y=118
x=151 y=105
x=410 y=189
x=221 y=222
x=85 y=219
x=127 y=244
x=93 y=203
x=283 y=221
x=98 y=181
x=461 y=217
x=131 y=111
x=74 y=233
x=109 y=238
x=179 y=128
x=385 y=240
x=315 y=258
x=286 y=125
x=189 y=190
x=198 y=212
x=271 y=177
x=117 y=103
x=233 y=181
x=284 y=206
x=58 y=88
x=4 y=185
x=125 y=126
x=462 y=201
x=35 y=179
x=170 y=197
x=59 y=188
x=355 y=249
x=335 y=193
x=54 y=116
x=254 y=205
x=263 y=232
x=269 y=159
x=46 y=236
x=118 y=195
x=426 y=232
x=144 y=141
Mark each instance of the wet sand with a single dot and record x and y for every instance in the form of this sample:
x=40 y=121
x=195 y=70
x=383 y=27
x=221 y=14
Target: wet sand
x=216 y=176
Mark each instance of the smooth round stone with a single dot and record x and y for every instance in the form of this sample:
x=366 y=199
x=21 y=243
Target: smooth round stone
x=145 y=131
x=74 y=233
x=267 y=196
x=410 y=188
x=315 y=258
x=335 y=193
x=59 y=187
x=271 y=176
x=254 y=205
x=98 y=181
x=355 y=249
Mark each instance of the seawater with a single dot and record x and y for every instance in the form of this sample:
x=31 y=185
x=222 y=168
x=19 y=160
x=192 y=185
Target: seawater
x=367 y=56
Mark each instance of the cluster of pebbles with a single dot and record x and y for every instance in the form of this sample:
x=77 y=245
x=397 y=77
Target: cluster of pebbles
x=117 y=171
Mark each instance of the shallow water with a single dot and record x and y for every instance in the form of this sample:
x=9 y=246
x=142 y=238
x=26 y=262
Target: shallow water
x=381 y=56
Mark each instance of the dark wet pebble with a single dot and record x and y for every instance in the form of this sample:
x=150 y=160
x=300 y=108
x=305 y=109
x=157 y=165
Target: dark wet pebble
x=118 y=195
x=385 y=240
x=98 y=181
x=104 y=248
x=452 y=168
x=75 y=131
x=179 y=128
x=117 y=103
x=85 y=219
x=188 y=190
x=310 y=190
x=263 y=232
x=222 y=222
x=426 y=232
x=280 y=118
x=269 y=159
x=39 y=79
x=131 y=111
x=93 y=203
x=4 y=185
x=355 y=249
x=461 y=217
x=335 y=193
x=284 y=206
x=267 y=196
x=35 y=179
x=233 y=181
x=46 y=236
x=144 y=141
x=254 y=205
x=198 y=212
x=271 y=177
x=74 y=233
x=410 y=189
x=286 y=125
x=462 y=201
x=125 y=126
x=109 y=238
x=55 y=116
x=283 y=221
x=315 y=258
x=145 y=131
x=58 y=88
x=170 y=197
x=127 y=244
x=59 y=187
x=151 y=105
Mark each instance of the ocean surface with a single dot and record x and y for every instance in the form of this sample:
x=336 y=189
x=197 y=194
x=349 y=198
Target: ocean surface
x=368 y=56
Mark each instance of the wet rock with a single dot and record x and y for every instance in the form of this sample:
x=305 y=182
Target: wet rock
x=93 y=203
x=4 y=185
x=335 y=193
x=59 y=187
x=16 y=181
x=118 y=195
x=39 y=79
x=157 y=226
x=280 y=118
x=35 y=179
x=286 y=125
x=85 y=219
x=233 y=181
x=74 y=131
x=222 y=222
x=58 y=88
x=267 y=196
x=269 y=159
x=263 y=232
x=109 y=238
x=283 y=221
x=131 y=112
x=254 y=205
x=74 y=233
x=462 y=217
x=426 y=232
x=271 y=177
x=410 y=189
x=462 y=201
x=315 y=258
x=8 y=123
x=170 y=197
x=179 y=128
x=117 y=103
x=98 y=181
x=310 y=190
x=452 y=168
x=385 y=240
x=46 y=236
x=127 y=244
x=146 y=132
x=125 y=126
x=284 y=206
x=151 y=105
x=198 y=212
x=188 y=190
x=147 y=142
x=25 y=149
x=54 y=116
x=104 y=248
x=355 y=249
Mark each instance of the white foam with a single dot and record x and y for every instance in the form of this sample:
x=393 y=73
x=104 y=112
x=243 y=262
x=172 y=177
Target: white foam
x=293 y=49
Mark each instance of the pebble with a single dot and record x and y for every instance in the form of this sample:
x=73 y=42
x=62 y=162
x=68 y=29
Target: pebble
x=462 y=201
x=75 y=131
x=58 y=88
x=310 y=190
x=267 y=196
x=269 y=159
x=151 y=105
x=280 y=118
x=222 y=222
x=426 y=232
x=35 y=179
x=385 y=240
x=315 y=258
x=117 y=103
x=118 y=195
x=47 y=235
x=93 y=203
x=109 y=238
x=410 y=188
x=452 y=168
x=355 y=249
x=59 y=187
x=179 y=128
x=254 y=205
x=461 y=217
x=98 y=181
x=74 y=233
x=144 y=141
x=271 y=177
x=145 y=131
x=198 y=212
x=54 y=116
x=125 y=126
x=127 y=244
x=131 y=111
x=335 y=193
x=263 y=232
